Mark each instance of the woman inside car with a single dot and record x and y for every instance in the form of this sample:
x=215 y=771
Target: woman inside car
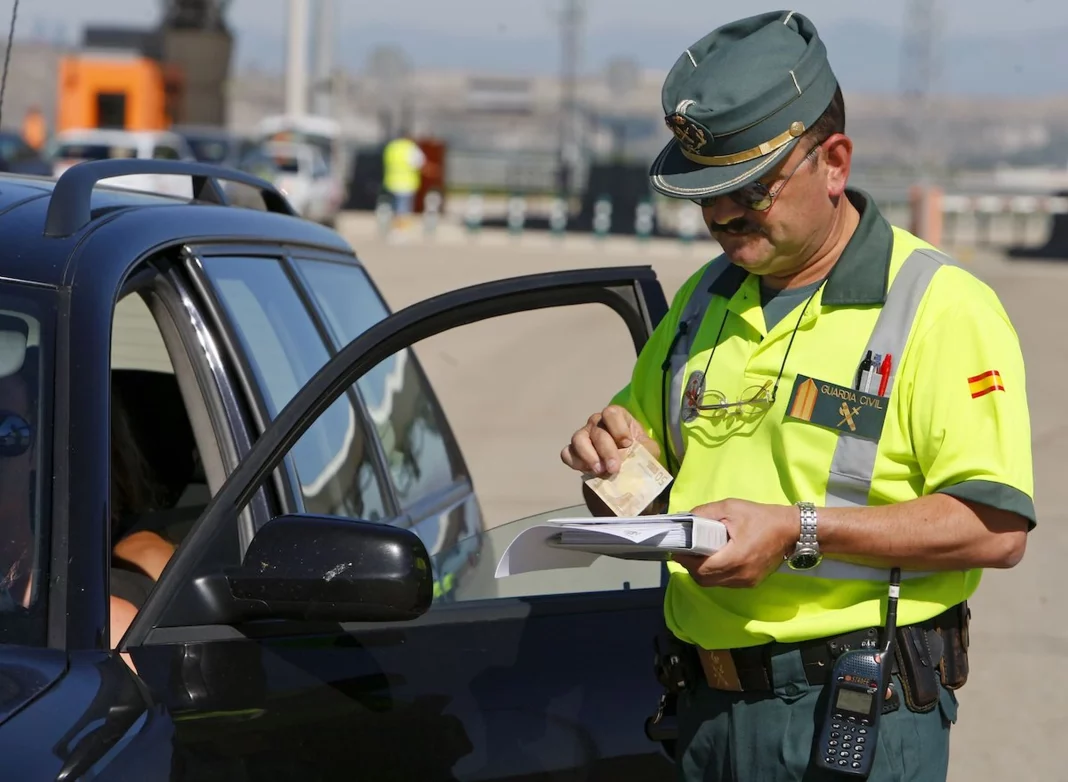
x=138 y=555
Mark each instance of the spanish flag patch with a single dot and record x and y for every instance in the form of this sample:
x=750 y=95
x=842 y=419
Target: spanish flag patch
x=983 y=384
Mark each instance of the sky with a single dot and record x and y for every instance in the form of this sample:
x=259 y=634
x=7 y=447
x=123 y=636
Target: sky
x=488 y=17
x=1018 y=43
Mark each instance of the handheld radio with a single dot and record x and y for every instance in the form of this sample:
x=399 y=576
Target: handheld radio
x=856 y=691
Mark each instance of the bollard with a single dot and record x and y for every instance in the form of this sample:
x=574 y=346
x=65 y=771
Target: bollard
x=558 y=216
x=987 y=206
x=431 y=212
x=473 y=213
x=643 y=219
x=688 y=221
x=925 y=213
x=602 y=216
x=517 y=214
x=384 y=214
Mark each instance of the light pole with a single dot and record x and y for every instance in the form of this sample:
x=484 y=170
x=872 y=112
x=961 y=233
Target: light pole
x=297 y=59
x=324 y=57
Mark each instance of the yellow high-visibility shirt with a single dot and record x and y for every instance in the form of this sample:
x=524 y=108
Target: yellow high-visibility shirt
x=956 y=421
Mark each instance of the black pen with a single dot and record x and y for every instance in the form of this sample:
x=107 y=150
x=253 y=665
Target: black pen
x=865 y=366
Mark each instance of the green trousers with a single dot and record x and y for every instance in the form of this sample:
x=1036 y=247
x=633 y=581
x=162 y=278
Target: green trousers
x=769 y=736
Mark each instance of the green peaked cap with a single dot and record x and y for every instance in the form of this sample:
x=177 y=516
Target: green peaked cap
x=737 y=101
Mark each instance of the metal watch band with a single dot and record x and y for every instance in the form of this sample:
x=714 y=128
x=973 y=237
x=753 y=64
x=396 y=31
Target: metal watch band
x=809 y=521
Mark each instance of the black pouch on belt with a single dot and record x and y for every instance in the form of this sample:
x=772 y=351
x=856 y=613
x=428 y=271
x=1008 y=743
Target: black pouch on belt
x=953 y=627
x=917 y=665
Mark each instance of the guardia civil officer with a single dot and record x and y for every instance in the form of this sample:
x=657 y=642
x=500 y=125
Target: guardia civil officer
x=841 y=395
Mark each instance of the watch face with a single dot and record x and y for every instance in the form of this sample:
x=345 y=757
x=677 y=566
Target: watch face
x=805 y=559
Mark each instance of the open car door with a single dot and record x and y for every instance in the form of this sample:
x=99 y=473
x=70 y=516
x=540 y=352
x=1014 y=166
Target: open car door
x=271 y=666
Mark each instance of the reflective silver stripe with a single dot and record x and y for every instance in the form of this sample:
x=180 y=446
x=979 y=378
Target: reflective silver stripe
x=854 y=458
x=689 y=323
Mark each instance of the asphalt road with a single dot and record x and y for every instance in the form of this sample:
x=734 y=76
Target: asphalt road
x=516 y=387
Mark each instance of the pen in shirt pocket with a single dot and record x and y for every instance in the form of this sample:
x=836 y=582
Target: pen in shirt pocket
x=864 y=371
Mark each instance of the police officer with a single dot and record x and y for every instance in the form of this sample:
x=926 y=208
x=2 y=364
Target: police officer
x=842 y=396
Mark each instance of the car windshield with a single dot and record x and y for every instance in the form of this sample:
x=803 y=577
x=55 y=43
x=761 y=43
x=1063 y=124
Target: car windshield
x=26 y=317
x=93 y=152
x=209 y=150
x=289 y=164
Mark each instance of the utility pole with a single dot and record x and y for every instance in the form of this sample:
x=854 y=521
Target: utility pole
x=921 y=71
x=571 y=19
x=297 y=59
x=324 y=58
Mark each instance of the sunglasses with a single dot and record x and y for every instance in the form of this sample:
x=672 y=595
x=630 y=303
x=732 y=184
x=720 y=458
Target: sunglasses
x=756 y=195
x=755 y=399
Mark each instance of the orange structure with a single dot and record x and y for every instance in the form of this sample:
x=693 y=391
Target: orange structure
x=126 y=92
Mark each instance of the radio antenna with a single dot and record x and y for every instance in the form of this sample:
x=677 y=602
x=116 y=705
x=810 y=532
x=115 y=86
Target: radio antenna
x=891 y=610
x=7 y=56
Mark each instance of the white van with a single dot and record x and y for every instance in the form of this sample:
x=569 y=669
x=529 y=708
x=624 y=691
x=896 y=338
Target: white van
x=74 y=146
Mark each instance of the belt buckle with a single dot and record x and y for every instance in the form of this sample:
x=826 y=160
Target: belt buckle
x=720 y=671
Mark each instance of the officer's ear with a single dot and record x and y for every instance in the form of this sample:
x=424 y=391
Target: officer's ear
x=837 y=160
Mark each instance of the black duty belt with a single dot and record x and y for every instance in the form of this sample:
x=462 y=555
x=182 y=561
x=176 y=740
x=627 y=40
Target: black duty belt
x=749 y=669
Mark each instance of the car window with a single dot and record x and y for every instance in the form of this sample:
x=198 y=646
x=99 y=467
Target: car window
x=165 y=152
x=285 y=162
x=410 y=424
x=90 y=151
x=508 y=386
x=25 y=362
x=319 y=168
x=334 y=463
x=13 y=149
x=209 y=150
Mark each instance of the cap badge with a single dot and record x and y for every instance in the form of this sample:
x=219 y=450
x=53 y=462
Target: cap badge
x=691 y=136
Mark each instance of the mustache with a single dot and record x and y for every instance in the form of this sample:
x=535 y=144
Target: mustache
x=737 y=226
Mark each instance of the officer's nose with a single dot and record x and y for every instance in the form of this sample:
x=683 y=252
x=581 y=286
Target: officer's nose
x=722 y=210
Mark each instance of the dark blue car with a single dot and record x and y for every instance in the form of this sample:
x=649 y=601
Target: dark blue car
x=229 y=384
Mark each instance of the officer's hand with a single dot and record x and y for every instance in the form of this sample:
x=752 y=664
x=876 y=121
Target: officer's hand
x=595 y=447
x=760 y=535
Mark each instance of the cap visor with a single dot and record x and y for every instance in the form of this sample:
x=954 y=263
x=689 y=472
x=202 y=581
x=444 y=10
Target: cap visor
x=675 y=175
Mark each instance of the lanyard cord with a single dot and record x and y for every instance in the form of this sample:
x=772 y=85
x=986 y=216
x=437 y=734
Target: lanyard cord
x=666 y=365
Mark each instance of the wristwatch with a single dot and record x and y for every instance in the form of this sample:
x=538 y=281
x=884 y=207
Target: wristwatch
x=806 y=553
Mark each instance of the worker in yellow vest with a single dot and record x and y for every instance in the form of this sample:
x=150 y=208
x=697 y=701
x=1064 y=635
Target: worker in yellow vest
x=403 y=162
x=847 y=401
x=35 y=128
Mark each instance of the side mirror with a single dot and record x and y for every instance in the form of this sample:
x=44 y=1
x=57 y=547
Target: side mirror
x=308 y=567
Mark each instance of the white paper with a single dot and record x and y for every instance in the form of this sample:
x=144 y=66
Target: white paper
x=645 y=537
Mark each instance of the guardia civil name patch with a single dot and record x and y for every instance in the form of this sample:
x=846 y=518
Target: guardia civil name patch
x=837 y=407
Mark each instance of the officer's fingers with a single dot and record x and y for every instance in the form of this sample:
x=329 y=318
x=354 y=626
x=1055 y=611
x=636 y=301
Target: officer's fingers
x=691 y=562
x=607 y=451
x=716 y=511
x=580 y=454
x=617 y=421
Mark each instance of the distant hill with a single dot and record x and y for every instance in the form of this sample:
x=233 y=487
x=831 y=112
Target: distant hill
x=866 y=56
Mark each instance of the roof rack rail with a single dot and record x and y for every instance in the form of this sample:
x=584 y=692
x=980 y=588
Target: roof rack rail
x=69 y=208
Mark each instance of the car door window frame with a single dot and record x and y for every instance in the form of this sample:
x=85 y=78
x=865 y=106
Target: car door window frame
x=397 y=514
x=437 y=501
x=190 y=340
x=286 y=481
x=254 y=408
x=632 y=292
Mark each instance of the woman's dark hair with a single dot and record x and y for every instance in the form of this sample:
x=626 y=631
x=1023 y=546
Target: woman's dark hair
x=132 y=488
